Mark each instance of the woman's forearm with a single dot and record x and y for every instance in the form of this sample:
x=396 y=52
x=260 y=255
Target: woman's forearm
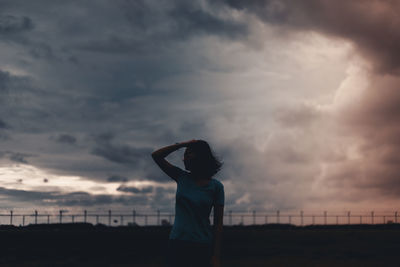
x=217 y=240
x=165 y=151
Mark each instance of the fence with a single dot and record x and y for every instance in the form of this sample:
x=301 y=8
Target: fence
x=230 y=218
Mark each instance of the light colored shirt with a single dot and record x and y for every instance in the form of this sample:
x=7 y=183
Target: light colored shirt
x=193 y=207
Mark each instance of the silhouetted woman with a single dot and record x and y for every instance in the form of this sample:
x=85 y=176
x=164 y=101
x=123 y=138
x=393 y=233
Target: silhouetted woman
x=192 y=241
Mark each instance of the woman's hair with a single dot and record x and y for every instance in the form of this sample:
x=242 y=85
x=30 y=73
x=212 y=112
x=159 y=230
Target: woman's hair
x=206 y=162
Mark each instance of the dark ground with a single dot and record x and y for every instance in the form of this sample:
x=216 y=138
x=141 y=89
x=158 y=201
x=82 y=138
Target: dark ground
x=271 y=245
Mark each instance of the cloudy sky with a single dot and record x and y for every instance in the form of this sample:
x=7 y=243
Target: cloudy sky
x=300 y=99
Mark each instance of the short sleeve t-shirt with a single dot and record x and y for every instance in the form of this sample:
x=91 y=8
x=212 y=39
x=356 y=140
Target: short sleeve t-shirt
x=193 y=207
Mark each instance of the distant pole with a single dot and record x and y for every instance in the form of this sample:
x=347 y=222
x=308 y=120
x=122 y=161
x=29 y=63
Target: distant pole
x=395 y=217
x=84 y=216
x=348 y=217
x=230 y=217
x=277 y=216
x=313 y=219
x=384 y=219
x=134 y=216
x=11 y=217
x=145 y=219
x=360 y=219
x=325 y=217
x=254 y=217
x=337 y=219
x=301 y=217
x=61 y=216
x=158 y=217
x=372 y=217
x=266 y=219
x=36 y=214
x=48 y=219
x=109 y=217
x=23 y=220
x=73 y=218
x=97 y=219
x=290 y=219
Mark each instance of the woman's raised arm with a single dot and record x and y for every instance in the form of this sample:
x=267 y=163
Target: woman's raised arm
x=159 y=157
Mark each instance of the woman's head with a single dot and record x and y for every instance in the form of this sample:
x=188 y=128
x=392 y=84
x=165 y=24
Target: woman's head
x=199 y=159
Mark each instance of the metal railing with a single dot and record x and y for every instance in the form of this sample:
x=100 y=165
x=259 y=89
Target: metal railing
x=111 y=218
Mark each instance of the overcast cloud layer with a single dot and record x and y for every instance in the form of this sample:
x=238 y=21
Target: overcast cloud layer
x=299 y=99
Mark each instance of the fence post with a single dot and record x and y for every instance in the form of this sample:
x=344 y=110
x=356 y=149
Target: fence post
x=97 y=219
x=266 y=219
x=348 y=217
x=23 y=220
x=395 y=217
x=372 y=217
x=360 y=219
x=290 y=219
x=337 y=219
x=254 y=217
x=158 y=217
x=384 y=219
x=84 y=216
x=230 y=217
x=109 y=217
x=313 y=219
x=48 y=219
x=145 y=220
x=134 y=216
x=61 y=216
x=122 y=220
x=36 y=214
x=325 y=217
x=301 y=216
x=73 y=218
x=277 y=216
x=11 y=217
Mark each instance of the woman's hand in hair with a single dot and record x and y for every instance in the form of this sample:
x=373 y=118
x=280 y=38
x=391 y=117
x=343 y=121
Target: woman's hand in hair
x=187 y=143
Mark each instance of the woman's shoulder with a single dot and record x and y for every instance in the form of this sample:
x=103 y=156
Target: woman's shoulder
x=217 y=182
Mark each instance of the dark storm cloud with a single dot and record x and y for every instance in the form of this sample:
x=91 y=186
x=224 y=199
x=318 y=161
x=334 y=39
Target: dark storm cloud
x=15 y=156
x=119 y=153
x=374 y=32
x=298 y=116
x=18 y=157
x=135 y=68
x=155 y=26
x=4 y=81
x=65 y=138
x=117 y=178
x=70 y=199
x=372 y=26
x=376 y=121
x=3 y=125
x=190 y=20
x=135 y=190
x=10 y=24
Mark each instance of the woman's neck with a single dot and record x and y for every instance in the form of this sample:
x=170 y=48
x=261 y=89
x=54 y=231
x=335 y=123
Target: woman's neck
x=198 y=176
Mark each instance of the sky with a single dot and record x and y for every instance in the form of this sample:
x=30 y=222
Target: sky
x=299 y=99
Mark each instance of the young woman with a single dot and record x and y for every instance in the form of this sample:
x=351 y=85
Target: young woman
x=192 y=241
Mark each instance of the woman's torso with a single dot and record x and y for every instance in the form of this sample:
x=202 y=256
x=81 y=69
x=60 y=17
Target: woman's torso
x=194 y=202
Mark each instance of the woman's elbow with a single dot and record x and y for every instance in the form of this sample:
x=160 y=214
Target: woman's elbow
x=154 y=155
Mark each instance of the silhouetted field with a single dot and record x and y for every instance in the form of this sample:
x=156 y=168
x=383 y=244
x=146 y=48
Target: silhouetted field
x=270 y=245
